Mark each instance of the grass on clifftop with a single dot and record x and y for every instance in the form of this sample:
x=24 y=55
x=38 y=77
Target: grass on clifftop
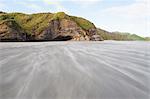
x=59 y=15
x=83 y=23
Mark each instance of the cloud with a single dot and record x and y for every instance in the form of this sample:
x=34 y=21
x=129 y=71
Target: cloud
x=81 y=3
x=133 y=18
x=85 y=0
x=2 y=4
x=60 y=7
x=42 y=5
x=86 y=3
x=137 y=9
x=31 y=5
x=57 y=4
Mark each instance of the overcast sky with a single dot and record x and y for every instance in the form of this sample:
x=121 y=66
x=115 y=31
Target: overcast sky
x=131 y=16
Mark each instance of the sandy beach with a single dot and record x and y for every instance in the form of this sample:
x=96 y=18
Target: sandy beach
x=75 y=70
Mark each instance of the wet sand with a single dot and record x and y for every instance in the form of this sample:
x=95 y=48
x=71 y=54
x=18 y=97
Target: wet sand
x=75 y=70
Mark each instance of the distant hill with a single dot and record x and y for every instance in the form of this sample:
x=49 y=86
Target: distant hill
x=147 y=38
x=45 y=27
x=121 y=36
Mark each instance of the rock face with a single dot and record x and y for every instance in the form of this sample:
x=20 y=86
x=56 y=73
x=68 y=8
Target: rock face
x=59 y=29
x=10 y=31
x=46 y=27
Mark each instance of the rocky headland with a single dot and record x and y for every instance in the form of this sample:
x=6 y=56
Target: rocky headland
x=46 y=27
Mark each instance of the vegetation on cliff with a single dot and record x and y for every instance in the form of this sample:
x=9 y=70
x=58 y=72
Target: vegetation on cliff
x=85 y=24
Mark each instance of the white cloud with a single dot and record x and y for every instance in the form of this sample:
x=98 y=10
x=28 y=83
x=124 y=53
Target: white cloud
x=35 y=6
x=60 y=7
x=2 y=5
x=85 y=0
x=86 y=3
x=30 y=5
x=57 y=4
x=133 y=18
x=82 y=3
x=138 y=9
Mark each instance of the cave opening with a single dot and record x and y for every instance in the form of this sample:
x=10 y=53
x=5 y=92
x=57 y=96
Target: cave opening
x=62 y=38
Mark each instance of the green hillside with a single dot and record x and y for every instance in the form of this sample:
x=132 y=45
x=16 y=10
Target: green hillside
x=120 y=36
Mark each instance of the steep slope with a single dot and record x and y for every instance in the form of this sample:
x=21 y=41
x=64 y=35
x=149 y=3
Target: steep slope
x=10 y=30
x=46 y=26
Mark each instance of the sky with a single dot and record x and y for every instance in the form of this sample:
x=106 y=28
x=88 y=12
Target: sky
x=132 y=16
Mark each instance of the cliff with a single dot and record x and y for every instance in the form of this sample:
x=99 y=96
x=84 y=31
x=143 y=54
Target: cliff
x=46 y=27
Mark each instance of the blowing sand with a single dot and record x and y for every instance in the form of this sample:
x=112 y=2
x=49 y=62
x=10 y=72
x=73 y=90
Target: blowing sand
x=75 y=70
